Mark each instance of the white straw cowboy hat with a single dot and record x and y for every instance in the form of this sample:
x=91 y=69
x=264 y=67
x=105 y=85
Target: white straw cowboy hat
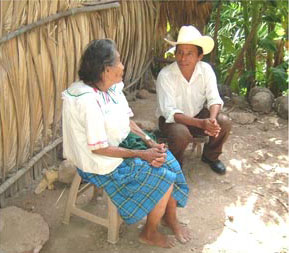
x=190 y=35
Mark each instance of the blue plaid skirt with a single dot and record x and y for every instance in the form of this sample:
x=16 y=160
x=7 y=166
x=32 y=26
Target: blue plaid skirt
x=135 y=187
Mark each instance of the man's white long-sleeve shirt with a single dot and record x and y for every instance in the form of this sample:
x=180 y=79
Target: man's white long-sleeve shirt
x=176 y=95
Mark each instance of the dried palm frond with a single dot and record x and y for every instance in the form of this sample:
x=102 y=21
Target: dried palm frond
x=6 y=14
x=9 y=107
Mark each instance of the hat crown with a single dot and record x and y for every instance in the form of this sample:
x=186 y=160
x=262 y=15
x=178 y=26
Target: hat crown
x=188 y=33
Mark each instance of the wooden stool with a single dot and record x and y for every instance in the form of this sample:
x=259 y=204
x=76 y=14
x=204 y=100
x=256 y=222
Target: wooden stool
x=111 y=222
x=198 y=145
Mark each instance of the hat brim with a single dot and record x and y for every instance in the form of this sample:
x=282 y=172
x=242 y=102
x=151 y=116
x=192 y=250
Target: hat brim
x=205 y=42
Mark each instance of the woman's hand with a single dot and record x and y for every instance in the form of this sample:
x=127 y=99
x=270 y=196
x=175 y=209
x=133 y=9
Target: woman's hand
x=158 y=162
x=153 y=154
x=162 y=147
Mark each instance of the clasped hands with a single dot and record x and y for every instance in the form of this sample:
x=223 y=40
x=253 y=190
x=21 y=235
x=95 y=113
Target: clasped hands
x=156 y=154
x=211 y=127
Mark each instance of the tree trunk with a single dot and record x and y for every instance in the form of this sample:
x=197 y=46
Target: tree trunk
x=214 y=54
x=269 y=60
x=278 y=59
x=250 y=58
x=248 y=41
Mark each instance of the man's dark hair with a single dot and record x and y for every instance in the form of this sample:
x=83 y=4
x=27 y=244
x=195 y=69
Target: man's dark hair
x=97 y=55
x=200 y=49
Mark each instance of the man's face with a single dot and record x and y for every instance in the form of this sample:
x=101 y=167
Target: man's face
x=187 y=57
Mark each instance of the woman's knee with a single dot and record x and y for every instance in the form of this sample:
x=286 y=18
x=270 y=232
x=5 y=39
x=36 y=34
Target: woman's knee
x=171 y=163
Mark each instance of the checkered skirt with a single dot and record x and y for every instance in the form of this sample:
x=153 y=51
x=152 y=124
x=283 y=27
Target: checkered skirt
x=135 y=187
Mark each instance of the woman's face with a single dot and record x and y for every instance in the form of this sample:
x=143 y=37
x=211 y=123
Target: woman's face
x=113 y=74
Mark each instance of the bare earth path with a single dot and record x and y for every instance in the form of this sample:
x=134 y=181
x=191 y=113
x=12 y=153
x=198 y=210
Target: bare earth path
x=244 y=211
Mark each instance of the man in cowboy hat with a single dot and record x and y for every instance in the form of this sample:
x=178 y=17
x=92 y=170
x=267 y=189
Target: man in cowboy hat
x=183 y=88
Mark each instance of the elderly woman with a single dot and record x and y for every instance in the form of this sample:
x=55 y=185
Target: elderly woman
x=142 y=180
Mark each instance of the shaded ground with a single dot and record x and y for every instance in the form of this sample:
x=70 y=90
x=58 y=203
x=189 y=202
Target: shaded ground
x=244 y=211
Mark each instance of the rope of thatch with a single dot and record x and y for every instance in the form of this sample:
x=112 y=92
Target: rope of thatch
x=57 y=16
x=28 y=166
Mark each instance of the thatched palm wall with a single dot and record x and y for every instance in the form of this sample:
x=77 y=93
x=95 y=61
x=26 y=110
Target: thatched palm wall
x=41 y=61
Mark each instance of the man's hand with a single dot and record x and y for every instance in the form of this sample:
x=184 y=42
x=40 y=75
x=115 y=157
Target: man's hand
x=211 y=127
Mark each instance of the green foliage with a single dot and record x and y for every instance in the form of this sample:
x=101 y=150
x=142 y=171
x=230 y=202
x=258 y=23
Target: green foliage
x=268 y=44
x=280 y=75
x=228 y=44
x=236 y=21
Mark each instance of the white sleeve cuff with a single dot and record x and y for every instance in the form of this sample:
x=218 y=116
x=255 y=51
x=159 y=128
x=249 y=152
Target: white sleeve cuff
x=170 y=118
x=215 y=102
x=98 y=145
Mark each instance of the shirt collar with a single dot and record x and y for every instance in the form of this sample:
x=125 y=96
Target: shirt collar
x=78 y=89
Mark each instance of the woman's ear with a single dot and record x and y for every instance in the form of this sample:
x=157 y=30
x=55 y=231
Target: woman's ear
x=106 y=69
x=103 y=75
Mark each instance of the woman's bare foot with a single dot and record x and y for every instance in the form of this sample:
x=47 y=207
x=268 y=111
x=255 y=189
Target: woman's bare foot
x=181 y=232
x=157 y=239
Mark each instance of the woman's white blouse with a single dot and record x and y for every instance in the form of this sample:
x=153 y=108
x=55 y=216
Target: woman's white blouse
x=93 y=119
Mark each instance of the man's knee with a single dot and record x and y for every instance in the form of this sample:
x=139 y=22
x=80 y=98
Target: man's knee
x=225 y=122
x=180 y=133
x=178 y=136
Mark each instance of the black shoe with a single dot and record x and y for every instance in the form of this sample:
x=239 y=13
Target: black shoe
x=216 y=166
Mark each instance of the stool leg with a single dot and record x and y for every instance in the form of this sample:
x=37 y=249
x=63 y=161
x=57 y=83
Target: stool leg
x=113 y=222
x=199 y=149
x=71 y=197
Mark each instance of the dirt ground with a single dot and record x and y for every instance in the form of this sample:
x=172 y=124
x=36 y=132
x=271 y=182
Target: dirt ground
x=244 y=211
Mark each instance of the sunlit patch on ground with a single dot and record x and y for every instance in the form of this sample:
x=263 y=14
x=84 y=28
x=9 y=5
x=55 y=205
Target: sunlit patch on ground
x=246 y=231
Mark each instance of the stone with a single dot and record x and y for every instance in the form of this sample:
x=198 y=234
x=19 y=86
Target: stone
x=66 y=172
x=242 y=117
x=130 y=97
x=281 y=106
x=240 y=102
x=261 y=99
x=50 y=176
x=21 y=231
x=258 y=89
x=224 y=91
x=260 y=155
x=142 y=94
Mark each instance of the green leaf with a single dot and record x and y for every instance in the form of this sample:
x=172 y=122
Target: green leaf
x=268 y=44
x=227 y=43
x=280 y=75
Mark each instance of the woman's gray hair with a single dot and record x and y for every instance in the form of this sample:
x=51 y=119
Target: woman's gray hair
x=97 y=56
